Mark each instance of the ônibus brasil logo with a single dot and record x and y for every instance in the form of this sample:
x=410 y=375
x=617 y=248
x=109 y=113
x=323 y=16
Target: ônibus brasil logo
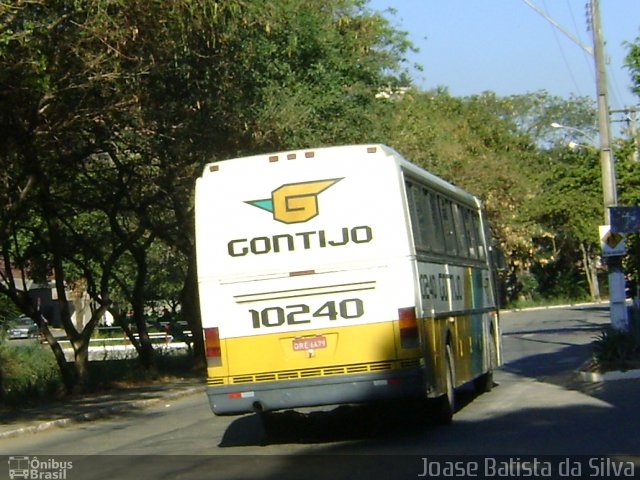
x=295 y=202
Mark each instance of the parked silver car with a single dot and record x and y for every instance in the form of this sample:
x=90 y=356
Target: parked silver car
x=23 y=327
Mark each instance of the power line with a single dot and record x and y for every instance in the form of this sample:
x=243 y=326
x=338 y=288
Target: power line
x=586 y=57
x=562 y=53
x=575 y=40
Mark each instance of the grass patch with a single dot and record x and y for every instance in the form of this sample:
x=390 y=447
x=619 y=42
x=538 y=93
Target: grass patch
x=108 y=374
x=28 y=373
x=544 y=302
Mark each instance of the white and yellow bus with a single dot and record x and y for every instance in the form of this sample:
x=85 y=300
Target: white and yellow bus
x=341 y=275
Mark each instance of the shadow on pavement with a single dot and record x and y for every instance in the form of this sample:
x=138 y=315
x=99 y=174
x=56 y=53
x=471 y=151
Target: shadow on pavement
x=92 y=406
x=545 y=366
x=342 y=423
x=555 y=433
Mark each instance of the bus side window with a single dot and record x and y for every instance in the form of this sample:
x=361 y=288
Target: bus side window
x=448 y=227
x=463 y=243
x=471 y=233
x=425 y=218
x=477 y=228
x=416 y=210
x=436 y=238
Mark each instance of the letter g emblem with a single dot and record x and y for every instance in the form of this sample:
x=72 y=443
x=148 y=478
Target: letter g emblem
x=295 y=202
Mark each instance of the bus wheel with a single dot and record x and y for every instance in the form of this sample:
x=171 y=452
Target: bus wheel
x=445 y=405
x=484 y=383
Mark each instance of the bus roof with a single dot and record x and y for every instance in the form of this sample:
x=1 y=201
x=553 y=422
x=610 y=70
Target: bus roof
x=412 y=170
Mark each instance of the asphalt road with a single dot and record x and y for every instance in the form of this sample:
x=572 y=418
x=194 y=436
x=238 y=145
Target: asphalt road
x=537 y=408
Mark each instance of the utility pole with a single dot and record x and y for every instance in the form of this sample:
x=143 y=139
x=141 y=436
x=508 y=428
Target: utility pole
x=617 y=303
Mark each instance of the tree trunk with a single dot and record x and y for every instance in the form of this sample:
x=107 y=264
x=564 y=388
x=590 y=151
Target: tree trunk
x=80 y=368
x=79 y=341
x=591 y=273
x=81 y=356
x=145 y=350
x=143 y=346
x=191 y=312
x=67 y=371
x=26 y=305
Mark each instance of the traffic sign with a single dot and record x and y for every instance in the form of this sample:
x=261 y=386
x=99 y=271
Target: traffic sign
x=625 y=219
x=612 y=243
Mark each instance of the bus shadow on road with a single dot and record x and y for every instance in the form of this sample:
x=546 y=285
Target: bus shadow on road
x=554 y=367
x=342 y=423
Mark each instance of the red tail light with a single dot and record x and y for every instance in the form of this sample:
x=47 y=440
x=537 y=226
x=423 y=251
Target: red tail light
x=408 y=328
x=212 y=347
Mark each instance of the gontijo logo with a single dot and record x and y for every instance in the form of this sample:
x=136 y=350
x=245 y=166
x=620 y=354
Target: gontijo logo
x=295 y=202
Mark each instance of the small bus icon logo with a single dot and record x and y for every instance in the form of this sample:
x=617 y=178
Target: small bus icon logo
x=18 y=467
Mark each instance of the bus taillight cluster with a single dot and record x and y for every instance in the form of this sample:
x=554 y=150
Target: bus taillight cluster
x=212 y=347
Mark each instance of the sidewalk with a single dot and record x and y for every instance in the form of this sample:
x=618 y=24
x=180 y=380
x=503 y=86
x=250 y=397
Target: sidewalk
x=88 y=407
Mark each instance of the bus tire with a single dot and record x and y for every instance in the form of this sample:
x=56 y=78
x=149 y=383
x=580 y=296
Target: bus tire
x=484 y=383
x=445 y=405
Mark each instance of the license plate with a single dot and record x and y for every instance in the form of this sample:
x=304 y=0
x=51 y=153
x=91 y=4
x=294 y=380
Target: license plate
x=309 y=343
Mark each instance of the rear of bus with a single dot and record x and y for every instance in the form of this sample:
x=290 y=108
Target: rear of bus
x=306 y=280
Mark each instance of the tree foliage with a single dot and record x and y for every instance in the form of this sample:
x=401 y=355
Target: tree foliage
x=110 y=109
x=629 y=174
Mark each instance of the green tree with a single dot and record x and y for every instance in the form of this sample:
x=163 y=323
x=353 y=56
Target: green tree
x=628 y=171
x=569 y=209
x=110 y=109
x=632 y=62
x=65 y=99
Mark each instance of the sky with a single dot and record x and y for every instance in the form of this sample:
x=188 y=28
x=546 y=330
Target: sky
x=505 y=46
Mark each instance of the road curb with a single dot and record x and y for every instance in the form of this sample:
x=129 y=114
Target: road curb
x=598 y=377
x=100 y=413
x=552 y=307
x=586 y=373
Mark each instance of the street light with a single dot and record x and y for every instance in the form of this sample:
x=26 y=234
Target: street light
x=566 y=127
x=575 y=145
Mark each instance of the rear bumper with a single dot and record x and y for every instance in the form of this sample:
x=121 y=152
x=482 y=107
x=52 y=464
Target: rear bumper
x=270 y=396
